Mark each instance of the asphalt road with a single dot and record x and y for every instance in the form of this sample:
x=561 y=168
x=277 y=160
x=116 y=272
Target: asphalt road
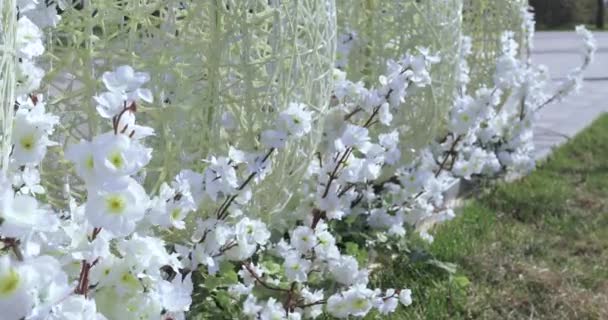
x=561 y=52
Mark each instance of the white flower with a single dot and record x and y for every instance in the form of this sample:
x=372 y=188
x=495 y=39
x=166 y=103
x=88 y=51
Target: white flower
x=46 y=281
x=390 y=142
x=172 y=206
x=15 y=302
x=26 y=5
x=239 y=289
x=405 y=297
x=117 y=155
x=75 y=307
x=220 y=178
x=253 y=231
x=303 y=239
x=125 y=80
x=413 y=182
x=195 y=182
x=43 y=15
x=463 y=115
x=337 y=306
x=29 y=39
x=217 y=234
x=352 y=136
x=249 y=234
x=117 y=206
x=296 y=268
x=359 y=300
x=146 y=254
x=241 y=251
x=110 y=104
x=384 y=114
x=251 y=307
x=247 y=274
x=20 y=215
x=273 y=310
x=589 y=40
x=326 y=248
x=346 y=271
x=388 y=303
x=132 y=305
x=296 y=119
x=30 y=135
x=29 y=77
x=83 y=157
x=257 y=163
x=177 y=294
x=30 y=178
x=330 y=203
x=312 y=297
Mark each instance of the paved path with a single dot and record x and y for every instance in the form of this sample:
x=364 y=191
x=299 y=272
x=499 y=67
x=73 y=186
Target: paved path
x=561 y=51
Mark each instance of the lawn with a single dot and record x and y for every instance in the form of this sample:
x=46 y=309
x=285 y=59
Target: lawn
x=533 y=249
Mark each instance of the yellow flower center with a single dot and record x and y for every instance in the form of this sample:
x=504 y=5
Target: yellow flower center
x=129 y=280
x=116 y=160
x=27 y=142
x=115 y=204
x=360 y=303
x=9 y=283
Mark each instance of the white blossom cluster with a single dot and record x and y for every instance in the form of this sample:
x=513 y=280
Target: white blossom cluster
x=106 y=256
x=489 y=135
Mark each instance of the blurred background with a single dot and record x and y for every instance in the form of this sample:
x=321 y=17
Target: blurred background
x=564 y=14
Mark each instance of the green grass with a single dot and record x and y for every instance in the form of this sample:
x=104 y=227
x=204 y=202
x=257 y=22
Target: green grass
x=533 y=249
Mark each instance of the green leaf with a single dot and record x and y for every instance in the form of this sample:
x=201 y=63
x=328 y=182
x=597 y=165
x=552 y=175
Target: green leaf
x=224 y=299
x=212 y=283
x=352 y=248
x=461 y=281
x=271 y=267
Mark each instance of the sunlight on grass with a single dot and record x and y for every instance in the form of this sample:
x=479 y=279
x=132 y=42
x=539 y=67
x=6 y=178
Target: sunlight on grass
x=536 y=248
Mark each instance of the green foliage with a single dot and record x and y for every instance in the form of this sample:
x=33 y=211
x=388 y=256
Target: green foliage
x=210 y=303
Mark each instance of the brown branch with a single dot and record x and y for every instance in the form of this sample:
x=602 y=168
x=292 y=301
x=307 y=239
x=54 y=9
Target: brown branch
x=350 y=115
x=447 y=156
x=262 y=282
x=312 y=304
x=288 y=300
x=222 y=211
x=13 y=244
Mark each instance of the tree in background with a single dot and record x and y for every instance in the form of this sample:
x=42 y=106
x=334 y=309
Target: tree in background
x=565 y=13
x=601 y=10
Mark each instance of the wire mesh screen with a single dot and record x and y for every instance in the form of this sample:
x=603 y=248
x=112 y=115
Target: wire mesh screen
x=387 y=30
x=221 y=72
x=10 y=86
x=485 y=21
